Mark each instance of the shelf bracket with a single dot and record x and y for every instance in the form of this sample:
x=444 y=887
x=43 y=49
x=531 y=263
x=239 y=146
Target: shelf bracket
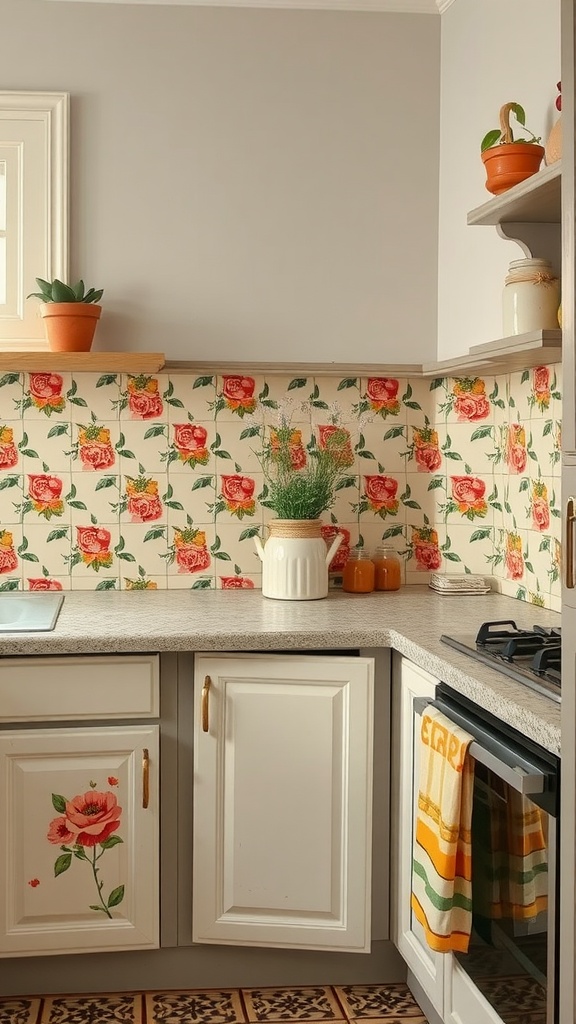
x=540 y=240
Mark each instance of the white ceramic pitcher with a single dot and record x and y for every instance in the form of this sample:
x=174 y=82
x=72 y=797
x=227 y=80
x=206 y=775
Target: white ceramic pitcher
x=295 y=560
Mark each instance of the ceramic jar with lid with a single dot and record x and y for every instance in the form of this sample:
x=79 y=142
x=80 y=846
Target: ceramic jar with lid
x=531 y=297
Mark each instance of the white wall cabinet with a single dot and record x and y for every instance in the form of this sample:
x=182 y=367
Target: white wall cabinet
x=409 y=682
x=283 y=801
x=79 y=864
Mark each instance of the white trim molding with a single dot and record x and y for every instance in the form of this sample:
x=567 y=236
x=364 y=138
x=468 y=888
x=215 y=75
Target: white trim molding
x=389 y=6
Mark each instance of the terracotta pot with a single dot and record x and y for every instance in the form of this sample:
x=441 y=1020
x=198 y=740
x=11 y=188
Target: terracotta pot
x=70 y=326
x=510 y=163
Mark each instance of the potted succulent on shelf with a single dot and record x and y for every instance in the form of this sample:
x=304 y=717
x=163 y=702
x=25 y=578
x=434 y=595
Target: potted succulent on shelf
x=70 y=314
x=507 y=160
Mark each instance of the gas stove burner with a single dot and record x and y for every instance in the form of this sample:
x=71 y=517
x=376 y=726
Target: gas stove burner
x=530 y=656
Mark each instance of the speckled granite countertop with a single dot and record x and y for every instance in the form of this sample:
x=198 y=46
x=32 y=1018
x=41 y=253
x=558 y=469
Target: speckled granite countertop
x=410 y=621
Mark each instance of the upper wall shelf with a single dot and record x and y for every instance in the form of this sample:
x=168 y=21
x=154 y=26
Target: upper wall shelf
x=534 y=201
x=88 y=362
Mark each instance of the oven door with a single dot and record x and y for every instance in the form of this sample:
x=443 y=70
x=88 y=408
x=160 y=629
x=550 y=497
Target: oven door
x=511 y=956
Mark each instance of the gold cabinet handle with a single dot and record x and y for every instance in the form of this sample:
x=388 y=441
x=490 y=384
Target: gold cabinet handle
x=145 y=777
x=570 y=523
x=205 y=704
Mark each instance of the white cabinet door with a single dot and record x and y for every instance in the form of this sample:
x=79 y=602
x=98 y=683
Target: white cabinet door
x=79 y=840
x=409 y=682
x=282 y=801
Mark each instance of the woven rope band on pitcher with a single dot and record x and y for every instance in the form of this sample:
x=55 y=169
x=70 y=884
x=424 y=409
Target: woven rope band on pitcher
x=294 y=528
x=537 y=278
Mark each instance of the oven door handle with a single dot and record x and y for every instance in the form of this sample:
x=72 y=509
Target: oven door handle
x=518 y=771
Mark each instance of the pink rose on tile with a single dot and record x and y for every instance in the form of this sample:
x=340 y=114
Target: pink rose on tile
x=540 y=514
x=513 y=558
x=190 y=443
x=238 y=494
x=540 y=506
x=190 y=550
x=382 y=394
x=144 y=508
x=468 y=494
x=428 y=458
x=470 y=407
x=43 y=583
x=238 y=393
x=46 y=392
x=428 y=556
x=381 y=493
x=8 y=450
x=44 y=491
x=516 y=455
x=236 y=583
x=8 y=559
x=144 y=401
x=94 y=545
x=541 y=386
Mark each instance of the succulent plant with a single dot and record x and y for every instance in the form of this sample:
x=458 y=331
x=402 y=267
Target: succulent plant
x=57 y=291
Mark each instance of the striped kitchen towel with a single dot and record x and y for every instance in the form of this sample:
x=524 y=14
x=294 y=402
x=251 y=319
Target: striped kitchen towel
x=441 y=866
x=510 y=852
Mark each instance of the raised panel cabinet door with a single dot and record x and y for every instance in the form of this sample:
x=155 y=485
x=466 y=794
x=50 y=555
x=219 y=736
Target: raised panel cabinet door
x=408 y=683
x=283 y=801
x=79 y=840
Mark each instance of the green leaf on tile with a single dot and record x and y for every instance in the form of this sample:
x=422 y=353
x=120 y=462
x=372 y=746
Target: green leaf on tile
x=251 y=531
x=204 y=584
x=480 y=432
x=347 y=382
x=58 y=429
x=203 y=481
x=105 y=379
x=436 y=383
x=8 y=481
x=57 y=534
x=451 y=556
x=9 y=378
x=249 y=432
x=62 y=863
x=106 y=481
x=393 y=432
x=297 y=382
x=154 y=431
x=106 y=585
x=202 y=382
x=525 y=376
x=392 y=531
x=480 y=534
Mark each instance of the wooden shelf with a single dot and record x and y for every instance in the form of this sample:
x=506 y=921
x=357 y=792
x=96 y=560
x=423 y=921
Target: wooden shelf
x=534 y=201
x=503 y=355
x=86 y=362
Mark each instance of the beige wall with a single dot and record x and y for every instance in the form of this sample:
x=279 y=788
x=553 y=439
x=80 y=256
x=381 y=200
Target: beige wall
x=247 y=184
x=492 y=53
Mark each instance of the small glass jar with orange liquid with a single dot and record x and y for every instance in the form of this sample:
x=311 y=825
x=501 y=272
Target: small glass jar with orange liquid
x=359 y=572
x=388 y=569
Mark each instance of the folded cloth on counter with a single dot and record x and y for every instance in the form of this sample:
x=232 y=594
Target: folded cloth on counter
x=510 y=849
x=441 y=866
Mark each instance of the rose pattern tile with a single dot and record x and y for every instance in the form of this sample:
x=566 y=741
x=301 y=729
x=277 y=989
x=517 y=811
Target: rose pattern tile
x=138 y=482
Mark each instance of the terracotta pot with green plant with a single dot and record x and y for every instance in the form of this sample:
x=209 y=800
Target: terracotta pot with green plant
x=507 y=160
x=70 y=314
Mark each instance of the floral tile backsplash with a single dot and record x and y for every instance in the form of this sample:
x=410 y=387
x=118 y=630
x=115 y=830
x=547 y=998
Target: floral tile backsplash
x=136 y=482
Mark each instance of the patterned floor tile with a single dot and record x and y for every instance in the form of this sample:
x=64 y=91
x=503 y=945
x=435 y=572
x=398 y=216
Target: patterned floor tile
x=313 y=1003
x=514 y=995
x=375 y=1002
x=103 y=1008
x=213 y=1006
x=19 y=1011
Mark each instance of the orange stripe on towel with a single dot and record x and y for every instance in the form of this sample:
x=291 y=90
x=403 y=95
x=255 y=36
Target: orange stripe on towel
x=457 y=941
x=448 y=866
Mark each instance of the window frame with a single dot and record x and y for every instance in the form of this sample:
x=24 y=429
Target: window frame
x=51 y=112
